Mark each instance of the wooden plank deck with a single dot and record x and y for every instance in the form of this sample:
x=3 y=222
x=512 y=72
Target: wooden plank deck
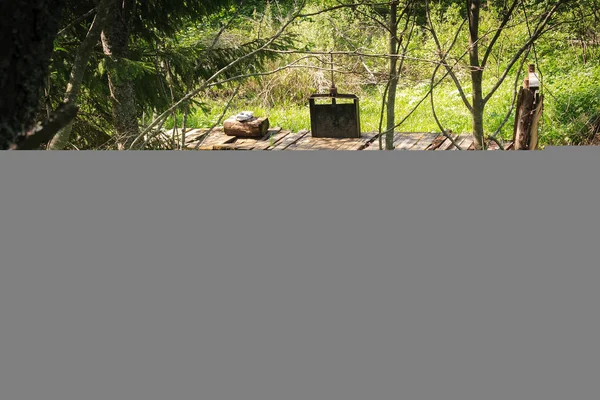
x=278 y=139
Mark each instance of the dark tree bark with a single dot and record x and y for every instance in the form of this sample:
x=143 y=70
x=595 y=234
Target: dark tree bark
x=115 y=41
x=476 y=74
x=27 y=32
x=61 y=139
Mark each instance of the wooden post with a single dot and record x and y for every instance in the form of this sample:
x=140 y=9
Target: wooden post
x=528 y=113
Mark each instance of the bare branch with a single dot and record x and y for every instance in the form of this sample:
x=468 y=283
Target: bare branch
x=78 y=20
x=437 y=121
x=344 y=5
x=498 y=33
x=220 y=118
x=536 y=34
x=357 y=54
x=228 y=67
x=514 y=100
x=443 y=54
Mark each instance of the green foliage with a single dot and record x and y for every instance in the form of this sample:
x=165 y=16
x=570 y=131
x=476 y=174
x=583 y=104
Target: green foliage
x=176 y=48
x=574 y=105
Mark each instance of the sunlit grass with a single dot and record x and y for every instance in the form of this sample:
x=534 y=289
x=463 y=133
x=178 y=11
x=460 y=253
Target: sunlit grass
x=449 y=107
x=562 y=122
x=571 y=100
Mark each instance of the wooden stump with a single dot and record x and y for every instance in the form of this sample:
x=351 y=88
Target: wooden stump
x=256 y=127
x=528 y=114
x=530 y=104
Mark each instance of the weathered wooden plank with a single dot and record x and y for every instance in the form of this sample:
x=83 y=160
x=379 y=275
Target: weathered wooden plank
x=399 y=137
x=467 y=139
x=193 y=134
x=270 y=139
x=342 y=144
x=460 y=140
x=327 y=146
x=271 y=132
x=245 y=144
x=338 y=144
x=258 y=143
x=374 y=145
x=289 y=140
x=192 y=144
x=322 y=144
x=468 y=143
x=221 y=139
x=437 y=142
x=352 y=145
x=210 y=144
x=226 y=146
x=215 y=135
x=360 y=143
x=409 y=141
x=425 y=141
x=493 y=146
x=368 y=138
x=447 y=144
x=192 y=137
x=216 y=138
x=305 y=143
x=276 y=139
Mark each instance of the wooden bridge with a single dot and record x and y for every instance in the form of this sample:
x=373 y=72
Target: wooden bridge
x=279 y=139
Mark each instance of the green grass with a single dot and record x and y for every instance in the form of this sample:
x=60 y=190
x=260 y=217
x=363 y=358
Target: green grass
x=572 y=92
x=449 y=108
x=569 y=105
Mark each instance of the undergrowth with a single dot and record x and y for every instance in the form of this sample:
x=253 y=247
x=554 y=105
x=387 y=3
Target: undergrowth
x=570 y=84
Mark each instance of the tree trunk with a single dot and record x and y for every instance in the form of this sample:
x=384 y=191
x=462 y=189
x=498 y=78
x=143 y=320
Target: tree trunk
x=27 y=32
x=60 y=141
x=115 y=42
x=391 y=99
x=476 y=74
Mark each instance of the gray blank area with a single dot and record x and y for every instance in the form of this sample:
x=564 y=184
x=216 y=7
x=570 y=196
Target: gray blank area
x=313 y=276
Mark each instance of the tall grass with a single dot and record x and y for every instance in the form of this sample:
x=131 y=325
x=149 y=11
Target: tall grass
x=296 y=116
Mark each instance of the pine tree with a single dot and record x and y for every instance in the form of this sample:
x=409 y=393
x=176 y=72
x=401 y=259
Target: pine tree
x=27 y=32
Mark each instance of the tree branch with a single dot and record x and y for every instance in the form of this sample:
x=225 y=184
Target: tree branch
x=193 y=93
x=498 y=33
x=538 y=32
x=33 y=139
x=78 y=20
x=204 y=136
x=437 y=121
x=461 y=92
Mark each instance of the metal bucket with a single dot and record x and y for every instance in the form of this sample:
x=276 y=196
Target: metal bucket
x=334 y=120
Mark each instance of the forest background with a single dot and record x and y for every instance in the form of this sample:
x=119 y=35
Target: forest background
x=136 y=68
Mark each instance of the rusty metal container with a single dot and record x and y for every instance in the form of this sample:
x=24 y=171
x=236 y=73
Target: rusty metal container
x=335 y=120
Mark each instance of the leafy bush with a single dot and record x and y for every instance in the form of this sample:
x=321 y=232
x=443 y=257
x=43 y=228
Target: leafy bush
x=573 y=105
